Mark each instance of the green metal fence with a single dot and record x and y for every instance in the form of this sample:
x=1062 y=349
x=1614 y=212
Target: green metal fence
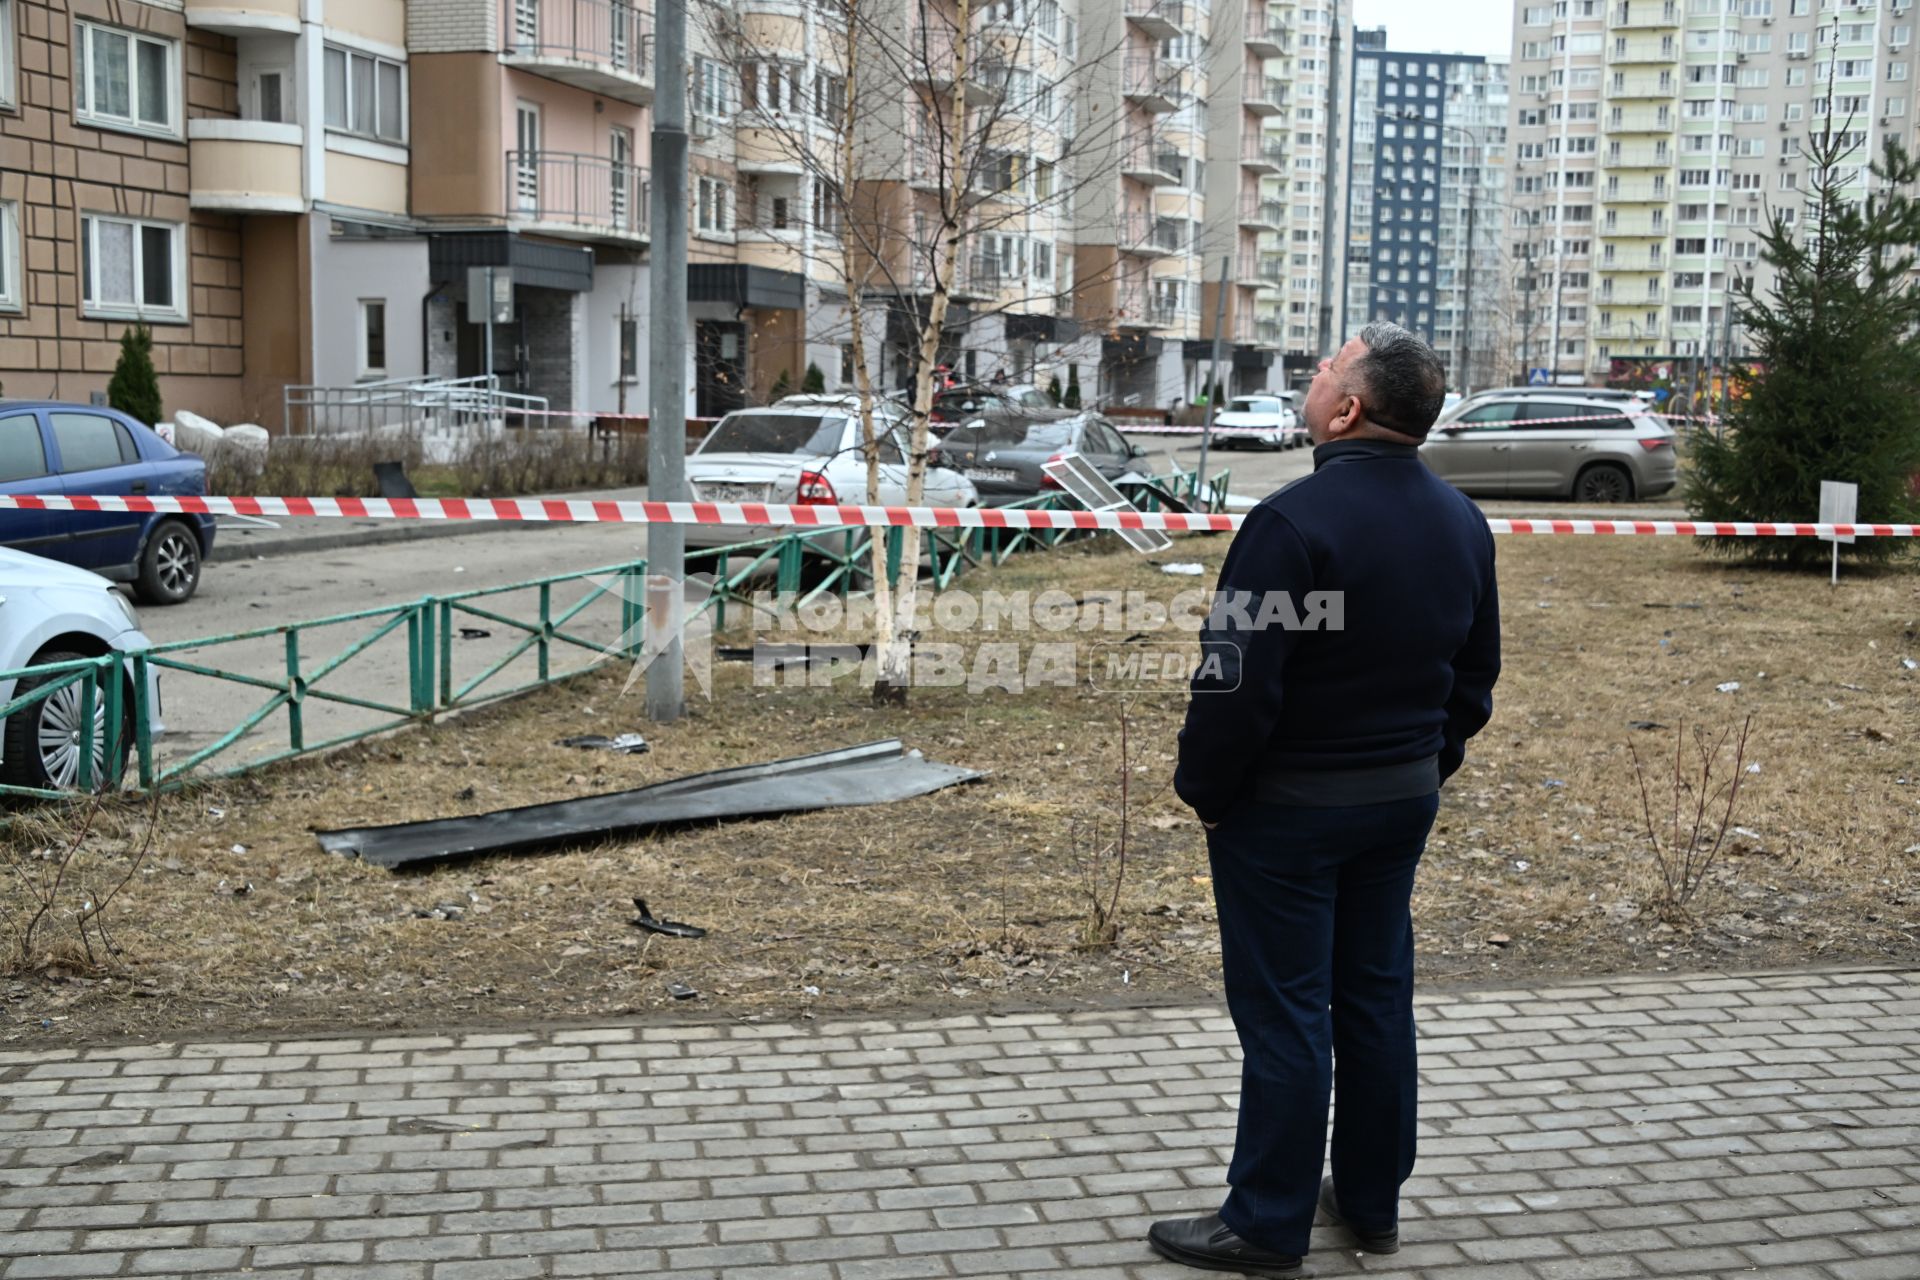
x=425 y=634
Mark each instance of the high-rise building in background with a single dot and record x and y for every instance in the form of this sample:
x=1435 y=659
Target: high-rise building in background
x=1650 y=138
x=1427 y=175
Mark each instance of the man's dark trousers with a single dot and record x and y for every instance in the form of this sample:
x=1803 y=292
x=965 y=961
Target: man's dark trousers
x=1316 y=936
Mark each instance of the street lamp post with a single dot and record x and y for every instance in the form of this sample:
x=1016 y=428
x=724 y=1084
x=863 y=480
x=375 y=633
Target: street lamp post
x=1473 y=193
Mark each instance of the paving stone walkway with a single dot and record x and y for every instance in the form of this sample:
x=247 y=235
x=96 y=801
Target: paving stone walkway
x=1711 y=1127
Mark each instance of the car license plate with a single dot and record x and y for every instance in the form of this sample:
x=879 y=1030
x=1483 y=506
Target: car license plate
x=733 y=492
x=989 y=473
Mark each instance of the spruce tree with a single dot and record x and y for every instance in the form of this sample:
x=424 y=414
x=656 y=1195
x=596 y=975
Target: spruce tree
x=1830 y=393
x=135 y=387
x=815 y=383
x=782 y=386
x=1072 y=399
x=1053 y=388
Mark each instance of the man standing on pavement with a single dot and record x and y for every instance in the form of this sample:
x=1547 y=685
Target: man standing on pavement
x=1351 y=652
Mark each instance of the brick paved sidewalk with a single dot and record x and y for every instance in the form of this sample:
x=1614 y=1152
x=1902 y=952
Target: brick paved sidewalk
x=1721 y=1127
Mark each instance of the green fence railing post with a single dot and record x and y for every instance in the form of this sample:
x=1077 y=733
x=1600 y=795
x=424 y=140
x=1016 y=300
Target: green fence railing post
x=446 y=654
x=429 y=650
x=546 y=628
x=84 y=738
x=787 y=579
x=142 y=721
x=296 y=732
x=115 y=729
x=895 y=537
x=632 y=611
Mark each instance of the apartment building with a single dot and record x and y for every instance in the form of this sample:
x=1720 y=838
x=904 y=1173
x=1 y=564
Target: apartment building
x=1650 y=138
x=1427 y=175
x=226 y=174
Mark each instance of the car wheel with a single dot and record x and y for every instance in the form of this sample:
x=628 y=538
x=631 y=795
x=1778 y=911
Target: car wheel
x=170 y=565
x=43 y=741
x=1603 y=483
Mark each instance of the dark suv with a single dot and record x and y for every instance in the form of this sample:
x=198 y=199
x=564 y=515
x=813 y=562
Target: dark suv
x=994 y=404
x=49 y=448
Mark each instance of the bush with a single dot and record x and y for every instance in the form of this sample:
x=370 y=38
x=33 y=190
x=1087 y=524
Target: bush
x=815 y=383
x=1053 y=388
x=782 y=386
x=510 y=465
x=1072 y=399
x=1836 y=358
x=135 y=388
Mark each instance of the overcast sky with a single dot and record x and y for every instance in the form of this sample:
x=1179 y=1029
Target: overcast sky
x=1440 y=26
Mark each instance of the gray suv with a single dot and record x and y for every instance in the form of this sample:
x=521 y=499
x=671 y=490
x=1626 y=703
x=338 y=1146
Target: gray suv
x=1513 y=444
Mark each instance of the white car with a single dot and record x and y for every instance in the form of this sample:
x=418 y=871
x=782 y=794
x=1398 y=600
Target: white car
x=51 y=612
x=1267 y=420
x=808 y=454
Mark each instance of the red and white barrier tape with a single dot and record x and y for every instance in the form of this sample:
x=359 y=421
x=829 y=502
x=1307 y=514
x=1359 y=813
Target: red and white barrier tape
x=774 y=514
x=1162 y=429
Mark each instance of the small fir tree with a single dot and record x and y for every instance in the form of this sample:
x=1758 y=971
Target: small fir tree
x=782 y=386
x=1829 y=394
x=135 y=387
x=1072 y=399
x=815 y=383
x=1053 y=388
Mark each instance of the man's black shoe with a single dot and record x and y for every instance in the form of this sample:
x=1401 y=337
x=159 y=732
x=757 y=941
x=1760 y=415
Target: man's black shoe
x=1370 y=1241
x=1211 y=1245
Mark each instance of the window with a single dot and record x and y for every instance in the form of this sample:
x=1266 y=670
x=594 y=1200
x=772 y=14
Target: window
x=373 y=337
x=23 y=456
x=132 y=269
x=713 y=206
x=269 y=100
x=6 y=53
x=9 y=256
x=627 y=338
x=364 y=95
x=124 y=79
x=712 y=89
x=90 y=441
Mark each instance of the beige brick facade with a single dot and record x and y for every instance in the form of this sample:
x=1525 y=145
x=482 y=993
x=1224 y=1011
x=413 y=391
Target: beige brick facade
x=55 y=170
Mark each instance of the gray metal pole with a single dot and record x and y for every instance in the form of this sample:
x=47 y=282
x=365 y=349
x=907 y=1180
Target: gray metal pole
x=1473 y=192
x=1327 y=340
x=667 y=339
x=1213 y=379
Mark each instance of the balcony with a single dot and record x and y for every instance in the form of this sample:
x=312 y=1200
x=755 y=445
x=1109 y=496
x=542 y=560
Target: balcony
x=1131 y=307
x=1147 y=235
x=931 y=61
x=924 y=169
x=244 y=17
x=1150 y=161
x=1258 y=271
x=576 y=197
x=244 y=166
x=1639 y=158
x=1266 y=33
x=1162 y=314
x=1646 y=14
x=1638 y=193
x=1643 y=51
x=1158 y=19
x=1261 y=215
x=1150 y=84
x=1263 y=155
x=1266 y=96
x=1632 y=87
x=596 y=45
x=1256 y=331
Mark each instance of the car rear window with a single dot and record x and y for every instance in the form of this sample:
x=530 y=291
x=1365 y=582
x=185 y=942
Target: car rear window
x=88 y=442
x=22 y=456
x=797 y=433
x=1254 y=404
x=1029 y=435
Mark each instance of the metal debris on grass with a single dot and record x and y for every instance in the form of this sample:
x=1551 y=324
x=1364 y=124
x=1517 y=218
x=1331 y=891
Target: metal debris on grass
x=672 y=928
x=873 y=773
x=626 y=744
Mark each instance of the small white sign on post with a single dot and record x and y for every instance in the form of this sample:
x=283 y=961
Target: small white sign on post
x=1839 y=504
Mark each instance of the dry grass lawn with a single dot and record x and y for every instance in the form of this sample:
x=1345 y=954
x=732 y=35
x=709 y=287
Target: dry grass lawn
x=1540 y=864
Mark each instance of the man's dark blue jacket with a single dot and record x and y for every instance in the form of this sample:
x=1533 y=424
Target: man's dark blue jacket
x=1284 y=712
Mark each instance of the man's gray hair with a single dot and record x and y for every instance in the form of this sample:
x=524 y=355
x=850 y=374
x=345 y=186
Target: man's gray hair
x=1401 y=379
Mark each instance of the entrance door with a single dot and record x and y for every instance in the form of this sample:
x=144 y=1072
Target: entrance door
x=526 y=164
x=720 y=367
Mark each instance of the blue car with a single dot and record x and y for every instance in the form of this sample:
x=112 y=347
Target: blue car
x=49 y=448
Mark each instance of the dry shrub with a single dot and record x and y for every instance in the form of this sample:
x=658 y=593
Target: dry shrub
x=1699 y=812
x=510 y=464
x=66 y=864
